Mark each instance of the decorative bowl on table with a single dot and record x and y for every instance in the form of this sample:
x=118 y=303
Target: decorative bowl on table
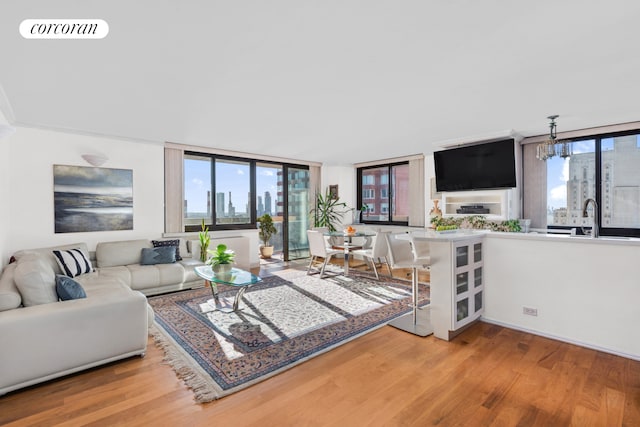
x=349 y=231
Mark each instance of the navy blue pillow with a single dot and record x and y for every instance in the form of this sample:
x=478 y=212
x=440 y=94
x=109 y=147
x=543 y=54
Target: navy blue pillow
x=160 y=255
x=67 y=288
x=174 y=242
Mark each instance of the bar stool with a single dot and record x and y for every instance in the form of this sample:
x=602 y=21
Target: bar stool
x=401 y=255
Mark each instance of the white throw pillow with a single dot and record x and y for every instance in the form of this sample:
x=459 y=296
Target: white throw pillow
x=73 y=262
x=36 y=282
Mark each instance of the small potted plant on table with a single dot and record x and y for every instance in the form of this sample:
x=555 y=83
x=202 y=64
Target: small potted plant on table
x=267 y=229
x=221 y=259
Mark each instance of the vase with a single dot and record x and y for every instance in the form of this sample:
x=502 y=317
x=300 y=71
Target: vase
x=435 y=212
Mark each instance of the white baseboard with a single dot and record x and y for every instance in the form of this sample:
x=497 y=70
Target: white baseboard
x=563 y=339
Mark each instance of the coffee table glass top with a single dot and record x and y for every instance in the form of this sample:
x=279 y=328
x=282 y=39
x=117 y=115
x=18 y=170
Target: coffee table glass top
x=235 y=277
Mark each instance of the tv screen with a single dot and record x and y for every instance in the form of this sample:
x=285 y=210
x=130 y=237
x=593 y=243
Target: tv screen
x=475 y=167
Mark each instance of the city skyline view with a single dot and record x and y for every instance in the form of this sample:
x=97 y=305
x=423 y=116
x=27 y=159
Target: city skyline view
x=230 y=177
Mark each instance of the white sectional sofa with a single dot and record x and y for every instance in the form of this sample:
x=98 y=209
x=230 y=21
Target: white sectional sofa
x=42 y=338
x=122 y=260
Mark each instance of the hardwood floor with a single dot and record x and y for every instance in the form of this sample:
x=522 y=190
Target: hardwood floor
x=487 y=376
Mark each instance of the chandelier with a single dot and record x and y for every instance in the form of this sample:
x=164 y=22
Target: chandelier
x=552 y=147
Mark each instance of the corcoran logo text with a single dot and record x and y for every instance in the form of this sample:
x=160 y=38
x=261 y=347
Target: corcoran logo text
x=64 y=29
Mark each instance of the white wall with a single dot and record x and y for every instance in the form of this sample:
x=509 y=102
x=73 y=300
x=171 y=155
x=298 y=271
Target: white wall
x=585 y=292
x=5 y=186
x=29 y=198
x=345 y=178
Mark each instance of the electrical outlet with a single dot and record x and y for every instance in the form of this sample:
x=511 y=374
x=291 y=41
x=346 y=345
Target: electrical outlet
x=530 y=311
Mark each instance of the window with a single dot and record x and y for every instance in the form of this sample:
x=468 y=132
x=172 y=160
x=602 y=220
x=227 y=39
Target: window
x=197 y=189
x=384 y=189
x=234 y=201
x=230 y=193
x=603 y=168
x=570 y=181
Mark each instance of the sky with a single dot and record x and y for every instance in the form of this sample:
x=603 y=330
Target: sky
x=558 y=175
x=232 y=176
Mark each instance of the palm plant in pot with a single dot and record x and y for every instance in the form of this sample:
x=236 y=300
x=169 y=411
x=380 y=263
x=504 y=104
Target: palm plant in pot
x=328 y=211
x=221 y=259
x=267 y=229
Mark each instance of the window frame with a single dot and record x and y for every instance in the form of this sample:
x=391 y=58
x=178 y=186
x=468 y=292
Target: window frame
x=252 y=224
x=389 y=198
x=603 y=231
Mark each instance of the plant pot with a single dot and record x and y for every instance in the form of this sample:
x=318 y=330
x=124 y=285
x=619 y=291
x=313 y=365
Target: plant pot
x=222 y=269
x=266 y=251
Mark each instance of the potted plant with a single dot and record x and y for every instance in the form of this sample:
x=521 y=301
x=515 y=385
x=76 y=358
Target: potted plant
x=221 y=259
x=204 y=241
x=328 y=211
x=267 y=229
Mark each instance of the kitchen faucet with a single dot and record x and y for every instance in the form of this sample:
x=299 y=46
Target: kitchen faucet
x=595 y=230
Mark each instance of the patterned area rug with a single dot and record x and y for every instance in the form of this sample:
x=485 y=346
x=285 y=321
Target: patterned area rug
x=286 y=319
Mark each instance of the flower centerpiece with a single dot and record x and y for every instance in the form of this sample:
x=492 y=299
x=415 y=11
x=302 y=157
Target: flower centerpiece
x=221 y=259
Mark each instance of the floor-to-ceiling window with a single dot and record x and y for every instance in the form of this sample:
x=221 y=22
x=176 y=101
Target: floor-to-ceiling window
x=270 y=200
x=297 y=184
x=231 y=193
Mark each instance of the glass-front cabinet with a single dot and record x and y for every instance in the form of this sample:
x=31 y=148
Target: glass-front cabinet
x=468 y=282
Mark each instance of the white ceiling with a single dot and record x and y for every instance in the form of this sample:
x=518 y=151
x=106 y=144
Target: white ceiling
x=336 y=81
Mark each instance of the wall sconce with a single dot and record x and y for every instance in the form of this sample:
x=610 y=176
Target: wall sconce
x=95 y=159
x=6 y=130
x=552 y=147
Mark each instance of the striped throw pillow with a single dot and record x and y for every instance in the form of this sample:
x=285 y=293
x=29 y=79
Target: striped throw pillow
x=73 y=262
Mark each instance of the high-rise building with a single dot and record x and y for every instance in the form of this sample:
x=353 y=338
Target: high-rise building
x=231 y=210
x=267 y=203
x=220 y=205
x=620 y=186
x=260 y=207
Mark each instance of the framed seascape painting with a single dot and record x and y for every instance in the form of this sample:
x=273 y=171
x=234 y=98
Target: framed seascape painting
x=92 y=199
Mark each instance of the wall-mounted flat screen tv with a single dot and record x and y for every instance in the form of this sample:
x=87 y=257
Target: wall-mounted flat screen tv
x=484 y=166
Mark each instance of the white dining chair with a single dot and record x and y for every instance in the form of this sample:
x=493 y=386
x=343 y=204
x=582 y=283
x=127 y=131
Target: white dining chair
x=401 y=255
x=318 y=249
x=377 y=252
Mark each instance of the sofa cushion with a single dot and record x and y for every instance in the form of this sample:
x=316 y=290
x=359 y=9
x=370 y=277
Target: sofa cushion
x=153 y=276
x=9 y=295
x=160 y=255
x=111 y=254
x=36 y=282
x=73 y=262
x=68 y=289
x=169 y=242
x=47 y=254
x=120 y=272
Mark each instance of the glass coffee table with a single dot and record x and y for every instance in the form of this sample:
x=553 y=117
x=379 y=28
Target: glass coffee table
x=236 y=277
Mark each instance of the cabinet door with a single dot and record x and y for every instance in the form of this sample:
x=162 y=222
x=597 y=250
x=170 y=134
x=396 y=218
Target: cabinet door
x=468 y=289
